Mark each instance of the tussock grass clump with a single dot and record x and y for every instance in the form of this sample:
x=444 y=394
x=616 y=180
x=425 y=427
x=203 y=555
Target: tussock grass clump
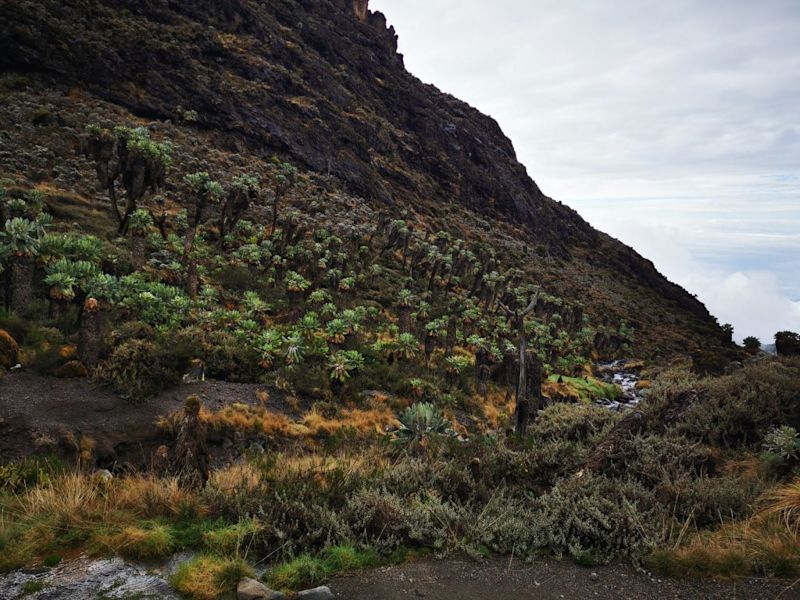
x=207 y=577
x=147 y=541
x=766 y=544
x=307 y=571
x=134 y=516
x=253 y=420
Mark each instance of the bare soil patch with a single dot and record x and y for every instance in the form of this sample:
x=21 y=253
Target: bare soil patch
x=543 y=580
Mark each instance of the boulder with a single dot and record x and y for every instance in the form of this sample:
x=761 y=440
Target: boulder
x=322 y=592
x=250 y=589
x=9 y=350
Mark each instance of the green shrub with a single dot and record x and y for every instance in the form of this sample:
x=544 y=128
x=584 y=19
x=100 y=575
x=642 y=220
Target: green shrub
x=225 y=357
x=784 y=442
x=651 y=458
x=741 y=408
x=16 y=477
x=600 y=520
x=207 y=577
x=231 y=539
x=139 y=369
x=575 y=422
x=386 y=522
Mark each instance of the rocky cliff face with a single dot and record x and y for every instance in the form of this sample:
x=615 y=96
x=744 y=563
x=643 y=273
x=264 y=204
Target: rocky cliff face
x=320 y=83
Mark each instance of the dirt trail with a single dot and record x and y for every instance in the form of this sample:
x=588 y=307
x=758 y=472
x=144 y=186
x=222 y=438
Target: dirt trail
x=36 y=411
x=543 y=580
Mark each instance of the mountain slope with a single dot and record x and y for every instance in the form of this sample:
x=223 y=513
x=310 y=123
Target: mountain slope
x=320 y=83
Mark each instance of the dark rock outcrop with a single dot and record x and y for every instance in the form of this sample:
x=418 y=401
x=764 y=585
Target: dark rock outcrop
x=320 y=83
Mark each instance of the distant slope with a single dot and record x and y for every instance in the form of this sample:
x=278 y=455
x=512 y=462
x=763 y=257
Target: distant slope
x=321 y=83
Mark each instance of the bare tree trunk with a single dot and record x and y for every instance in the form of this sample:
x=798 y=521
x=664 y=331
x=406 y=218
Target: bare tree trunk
x=450 y=340
x=21 y=284
x=405 y=319
x=275 y=201
x=137 y=251
x=188 y=242
x=192 y=280
x=89 y=334
x=523 y=404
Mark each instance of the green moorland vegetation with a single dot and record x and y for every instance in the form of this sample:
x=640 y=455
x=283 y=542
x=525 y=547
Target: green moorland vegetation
x=401 y=345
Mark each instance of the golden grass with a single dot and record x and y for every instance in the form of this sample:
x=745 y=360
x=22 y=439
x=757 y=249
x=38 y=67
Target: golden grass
x=258 y=419
x=783 y=503
x=83 y=501
x=237 y=477
x=137 y=542
x=209 y=577
x=497 y=408
x=363 y=422
x=768 y=543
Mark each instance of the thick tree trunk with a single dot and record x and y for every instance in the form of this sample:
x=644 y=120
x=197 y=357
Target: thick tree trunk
x=523 y=404
x=192 y=279
x=450 y=340
x=21 y=284
x=274 y=215
x=89 y=334
x=137 y=251
x=405 y=319
x=188 y=243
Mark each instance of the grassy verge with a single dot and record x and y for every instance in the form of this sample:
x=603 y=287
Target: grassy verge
x=307 y=571
x=767 y=544
x=584 y=389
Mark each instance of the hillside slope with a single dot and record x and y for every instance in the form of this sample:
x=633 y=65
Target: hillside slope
x=321 y=84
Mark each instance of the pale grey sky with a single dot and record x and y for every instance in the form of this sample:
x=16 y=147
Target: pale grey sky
x=674 y=126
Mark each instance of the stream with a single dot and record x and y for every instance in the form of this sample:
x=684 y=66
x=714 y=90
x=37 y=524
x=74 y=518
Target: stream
x=625 y=373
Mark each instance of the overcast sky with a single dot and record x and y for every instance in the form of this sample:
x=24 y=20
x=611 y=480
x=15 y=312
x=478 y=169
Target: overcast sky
x=672 y=125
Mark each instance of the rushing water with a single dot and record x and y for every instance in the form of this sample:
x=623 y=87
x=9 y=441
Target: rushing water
x=625 y=374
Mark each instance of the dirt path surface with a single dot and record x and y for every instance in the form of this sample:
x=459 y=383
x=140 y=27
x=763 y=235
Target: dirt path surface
x=36 y=412
x=543 y=580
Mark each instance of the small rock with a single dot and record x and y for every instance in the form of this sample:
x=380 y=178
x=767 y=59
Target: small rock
x=322 y=592
x=104 y=475
x=250 y=589
x=594 y=577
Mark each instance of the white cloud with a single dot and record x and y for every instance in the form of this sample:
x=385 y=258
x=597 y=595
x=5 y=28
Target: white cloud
x=677 y=120
x=751 y=300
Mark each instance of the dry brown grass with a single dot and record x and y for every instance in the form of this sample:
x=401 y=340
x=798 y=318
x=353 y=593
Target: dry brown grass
x=237 y=477
x=80 y=500
x=768 y=543
x=363 y=422
x=783 y=503
x=497 y=407
x=258 y=419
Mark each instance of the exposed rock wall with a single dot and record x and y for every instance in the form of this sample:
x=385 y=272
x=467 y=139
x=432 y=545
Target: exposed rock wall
x=320 y=83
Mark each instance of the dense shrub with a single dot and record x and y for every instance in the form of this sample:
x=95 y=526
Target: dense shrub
x=139 y=369
x=739 y=409
x=652 y=458
x=224 y=356
x=574 y=422
x=595 y=519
